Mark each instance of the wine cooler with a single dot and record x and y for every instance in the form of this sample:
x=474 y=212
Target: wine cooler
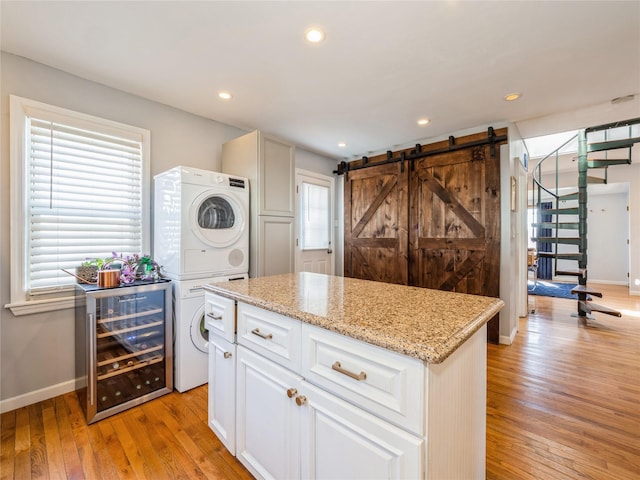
x=123 y=346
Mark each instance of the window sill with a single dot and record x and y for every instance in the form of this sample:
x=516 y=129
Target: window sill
x=41 y=306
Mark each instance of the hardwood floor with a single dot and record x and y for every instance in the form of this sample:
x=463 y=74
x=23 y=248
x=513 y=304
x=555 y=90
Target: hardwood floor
x=563 y=402
x=165 y=438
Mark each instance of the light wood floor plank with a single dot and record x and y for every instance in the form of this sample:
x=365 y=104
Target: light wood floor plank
x=38 y=451
x=79 y=428
x=7 y=445
x=55 y=460
x=72 y=465
x=22 y=462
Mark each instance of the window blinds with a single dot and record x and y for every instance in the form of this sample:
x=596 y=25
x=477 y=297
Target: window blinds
x=84 y=200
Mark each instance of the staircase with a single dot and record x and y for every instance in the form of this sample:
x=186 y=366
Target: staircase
x=595 y=145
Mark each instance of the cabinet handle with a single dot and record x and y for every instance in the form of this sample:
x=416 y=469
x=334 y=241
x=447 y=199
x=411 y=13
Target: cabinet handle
x=211 y=315
x=291 y=392
x=358 y=376
x=227 y=354
x=266 y=336
x=301 y=400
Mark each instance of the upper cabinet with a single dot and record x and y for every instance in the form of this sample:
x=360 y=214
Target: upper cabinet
x=268 y=163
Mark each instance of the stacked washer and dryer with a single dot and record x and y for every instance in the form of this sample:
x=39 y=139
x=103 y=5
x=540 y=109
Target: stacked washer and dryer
x=201 y=235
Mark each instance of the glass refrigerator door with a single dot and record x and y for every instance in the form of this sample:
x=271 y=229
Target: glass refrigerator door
x=130 y=356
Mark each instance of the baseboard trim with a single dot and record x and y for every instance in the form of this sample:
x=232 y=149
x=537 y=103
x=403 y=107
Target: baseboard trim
x=609 y=282
x=508 y=340
x=37 y=396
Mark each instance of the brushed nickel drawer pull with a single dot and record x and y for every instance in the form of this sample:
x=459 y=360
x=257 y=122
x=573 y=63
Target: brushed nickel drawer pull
x=212 y=315
x=257 y=332
x=358 y=376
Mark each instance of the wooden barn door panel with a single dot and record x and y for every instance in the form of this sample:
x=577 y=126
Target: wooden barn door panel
x=455 y=223
x=376 y=228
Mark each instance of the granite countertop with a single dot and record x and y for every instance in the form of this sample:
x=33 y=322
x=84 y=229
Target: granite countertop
x=418 y=322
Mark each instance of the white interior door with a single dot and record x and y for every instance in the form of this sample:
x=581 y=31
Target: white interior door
x=314 y=226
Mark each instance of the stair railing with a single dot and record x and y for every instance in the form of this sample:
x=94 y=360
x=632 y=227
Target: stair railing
x=538 y=187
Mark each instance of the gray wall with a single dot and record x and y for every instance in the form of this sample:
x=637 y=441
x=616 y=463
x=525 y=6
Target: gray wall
x=36 y=351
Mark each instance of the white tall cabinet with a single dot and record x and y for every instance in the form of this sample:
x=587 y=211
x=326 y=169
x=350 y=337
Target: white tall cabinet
x=269 y=164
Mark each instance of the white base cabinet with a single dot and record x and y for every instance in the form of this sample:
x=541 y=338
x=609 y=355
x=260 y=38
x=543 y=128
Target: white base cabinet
x=293 y=401
x=339 y=440
x=268 y=420
x=222 y=390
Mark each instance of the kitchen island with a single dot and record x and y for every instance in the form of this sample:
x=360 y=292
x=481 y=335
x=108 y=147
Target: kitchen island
x=316 y=376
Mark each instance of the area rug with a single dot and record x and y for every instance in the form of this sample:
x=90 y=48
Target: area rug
x=546 y=288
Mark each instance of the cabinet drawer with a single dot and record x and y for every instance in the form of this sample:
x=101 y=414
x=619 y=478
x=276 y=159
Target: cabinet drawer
x=220 y=316
x=275 y=336
x=385 y=383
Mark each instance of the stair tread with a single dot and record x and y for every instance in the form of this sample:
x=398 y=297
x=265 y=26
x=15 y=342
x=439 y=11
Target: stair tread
x=607 y=162
x=560 y=225
x=563 y=211
x=585 y=289
x=574 y=273
x=594 y=307
x=558 y=240
x=612 y=144
x=592 y=180
x=569 y=196
x=562 y=256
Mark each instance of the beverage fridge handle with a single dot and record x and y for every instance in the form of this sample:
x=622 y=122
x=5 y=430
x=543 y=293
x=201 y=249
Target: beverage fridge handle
x=92 y=358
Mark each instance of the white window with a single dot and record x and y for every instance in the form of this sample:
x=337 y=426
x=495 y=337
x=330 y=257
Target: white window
x=80 y=189
x=316 y=217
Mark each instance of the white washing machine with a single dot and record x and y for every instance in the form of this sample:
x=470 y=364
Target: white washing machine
x=191 y=342
x=201 y=223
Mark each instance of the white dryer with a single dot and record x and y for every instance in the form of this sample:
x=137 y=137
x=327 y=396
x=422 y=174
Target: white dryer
x=201 y=223
x=191 y=338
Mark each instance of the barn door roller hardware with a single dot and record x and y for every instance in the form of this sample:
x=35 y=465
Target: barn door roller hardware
x=492 y=139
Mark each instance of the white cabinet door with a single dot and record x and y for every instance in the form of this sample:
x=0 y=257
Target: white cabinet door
x=276 y=246
x=267 y=417
x=222 y=390
x=277 y=160
x=339 y=441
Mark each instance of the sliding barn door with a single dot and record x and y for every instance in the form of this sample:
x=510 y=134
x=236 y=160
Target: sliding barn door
x=455 y=222
x=375 y=231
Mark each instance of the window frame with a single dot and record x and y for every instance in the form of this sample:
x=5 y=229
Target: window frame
x=20 y=110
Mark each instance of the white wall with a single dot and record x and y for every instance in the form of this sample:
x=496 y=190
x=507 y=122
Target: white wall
x=607 y=234
x=513 y=242
x=37 y=351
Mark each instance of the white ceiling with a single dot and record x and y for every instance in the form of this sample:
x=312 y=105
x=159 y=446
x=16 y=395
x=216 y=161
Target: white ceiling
x=382 y=66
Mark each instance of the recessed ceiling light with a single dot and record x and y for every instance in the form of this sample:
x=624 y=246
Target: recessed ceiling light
x=225 y=95
x=342 y=144
x=314 y=35
x=423 y=121
x=512 y=96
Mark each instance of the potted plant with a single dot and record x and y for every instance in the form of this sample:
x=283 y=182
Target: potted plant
x=87 y=272
x=135 y=267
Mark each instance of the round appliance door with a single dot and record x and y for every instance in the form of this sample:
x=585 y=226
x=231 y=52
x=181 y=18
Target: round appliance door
x=199 y=334
x=216 y=219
